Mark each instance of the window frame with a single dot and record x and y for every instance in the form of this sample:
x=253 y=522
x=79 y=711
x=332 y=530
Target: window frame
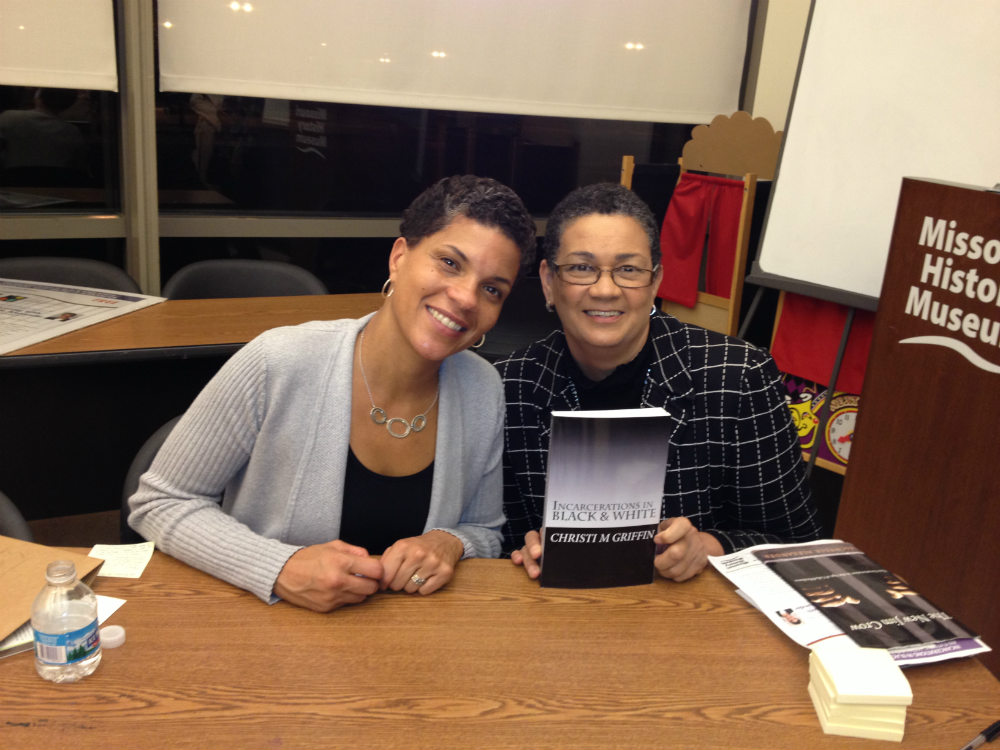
x=141 y=222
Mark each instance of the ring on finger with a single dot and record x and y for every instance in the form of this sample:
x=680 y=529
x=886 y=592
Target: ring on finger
x=418 y=580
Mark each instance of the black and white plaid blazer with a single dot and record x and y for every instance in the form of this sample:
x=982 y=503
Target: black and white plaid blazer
x=734 y=462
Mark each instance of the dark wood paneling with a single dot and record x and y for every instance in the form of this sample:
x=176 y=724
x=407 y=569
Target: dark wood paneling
x=921 y=491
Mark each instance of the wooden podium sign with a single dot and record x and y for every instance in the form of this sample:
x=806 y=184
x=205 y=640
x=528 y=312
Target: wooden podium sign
x=922 y=490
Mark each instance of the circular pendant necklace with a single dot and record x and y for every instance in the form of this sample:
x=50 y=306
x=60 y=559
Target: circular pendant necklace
x=378 y=416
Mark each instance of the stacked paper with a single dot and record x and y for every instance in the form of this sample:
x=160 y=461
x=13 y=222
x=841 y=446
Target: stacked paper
x=858 y=692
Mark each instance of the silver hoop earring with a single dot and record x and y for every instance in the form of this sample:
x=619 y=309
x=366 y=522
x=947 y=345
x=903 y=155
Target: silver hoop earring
x=479 y=343
x=549 y=308
x=652 y=312
x=386 y=286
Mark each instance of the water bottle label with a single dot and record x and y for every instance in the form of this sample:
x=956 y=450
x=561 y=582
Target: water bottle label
x=67 y=648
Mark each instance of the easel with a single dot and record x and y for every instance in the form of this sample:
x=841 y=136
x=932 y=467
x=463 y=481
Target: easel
x=824 y=412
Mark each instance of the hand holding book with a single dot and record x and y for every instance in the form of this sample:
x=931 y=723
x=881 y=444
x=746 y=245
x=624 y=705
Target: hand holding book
x=681 y=550
x=529 y=555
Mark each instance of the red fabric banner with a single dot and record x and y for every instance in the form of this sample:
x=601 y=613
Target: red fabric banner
x=701 y=204
x=807 y=338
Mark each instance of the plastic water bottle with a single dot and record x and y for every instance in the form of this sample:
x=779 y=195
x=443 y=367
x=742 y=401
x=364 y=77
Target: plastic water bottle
x=64 y=619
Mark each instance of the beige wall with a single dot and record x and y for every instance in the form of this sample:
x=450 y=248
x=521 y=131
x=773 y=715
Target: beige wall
x=784 y=30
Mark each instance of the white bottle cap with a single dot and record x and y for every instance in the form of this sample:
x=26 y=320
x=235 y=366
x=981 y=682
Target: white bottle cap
x=112 y=636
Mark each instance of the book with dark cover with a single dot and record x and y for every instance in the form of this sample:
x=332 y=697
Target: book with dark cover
x=875 y=607
x=603 y=494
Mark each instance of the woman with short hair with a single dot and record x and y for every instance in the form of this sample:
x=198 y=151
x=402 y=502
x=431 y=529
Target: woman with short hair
x=317 y=447
x=734 y=474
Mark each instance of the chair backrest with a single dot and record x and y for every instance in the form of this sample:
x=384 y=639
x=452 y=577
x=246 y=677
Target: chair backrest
x=78 y=271
x=241 y=277
x=140 y=464
x=12 y=523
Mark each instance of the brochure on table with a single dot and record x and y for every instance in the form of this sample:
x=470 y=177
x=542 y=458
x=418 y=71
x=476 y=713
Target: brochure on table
x=603 y=494
x=34 y=311
x=844 y=601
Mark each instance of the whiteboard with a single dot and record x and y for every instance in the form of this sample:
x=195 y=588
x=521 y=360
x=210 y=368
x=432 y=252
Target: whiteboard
x=886 y=90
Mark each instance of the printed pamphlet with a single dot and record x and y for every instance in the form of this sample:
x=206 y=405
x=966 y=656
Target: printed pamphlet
x=35 y=311
x=829 y=588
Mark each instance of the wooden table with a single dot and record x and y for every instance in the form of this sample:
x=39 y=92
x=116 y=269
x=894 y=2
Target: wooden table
x=490 y=661
x=197 y=327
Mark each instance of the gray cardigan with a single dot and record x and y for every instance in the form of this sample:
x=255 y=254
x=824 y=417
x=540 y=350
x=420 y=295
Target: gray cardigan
x=255 y=468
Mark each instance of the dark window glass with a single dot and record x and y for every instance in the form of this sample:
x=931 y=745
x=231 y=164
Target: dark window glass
x=58 y=149
x=241 y=154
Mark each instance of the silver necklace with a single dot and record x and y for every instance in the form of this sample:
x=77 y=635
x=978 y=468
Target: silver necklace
x=379 y=416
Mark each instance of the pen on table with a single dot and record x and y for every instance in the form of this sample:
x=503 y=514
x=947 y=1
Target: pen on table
x=987 y=735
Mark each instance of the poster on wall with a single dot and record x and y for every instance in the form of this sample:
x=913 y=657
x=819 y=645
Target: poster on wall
x=833 y=440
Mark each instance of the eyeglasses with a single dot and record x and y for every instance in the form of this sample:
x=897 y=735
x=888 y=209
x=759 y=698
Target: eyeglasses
x=584 y=274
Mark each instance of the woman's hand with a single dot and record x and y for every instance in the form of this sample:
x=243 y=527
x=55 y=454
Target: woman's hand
x=431 y=556
x=326 y=576
x=687 y=549
x=529 y=554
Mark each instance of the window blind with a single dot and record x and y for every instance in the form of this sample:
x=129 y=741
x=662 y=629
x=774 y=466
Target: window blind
x=645 y=60
x=58 y=43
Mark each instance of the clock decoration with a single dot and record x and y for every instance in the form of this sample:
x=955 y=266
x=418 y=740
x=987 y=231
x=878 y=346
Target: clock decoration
x=840 y=426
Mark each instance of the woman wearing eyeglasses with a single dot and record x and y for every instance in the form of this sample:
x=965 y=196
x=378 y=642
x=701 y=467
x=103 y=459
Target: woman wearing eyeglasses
x=734 y=476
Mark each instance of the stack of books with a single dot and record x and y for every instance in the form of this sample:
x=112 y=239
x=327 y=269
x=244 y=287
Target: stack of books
x=858 y=692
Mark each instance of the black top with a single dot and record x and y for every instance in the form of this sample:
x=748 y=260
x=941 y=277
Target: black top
x=379 y=510
x=622 y=389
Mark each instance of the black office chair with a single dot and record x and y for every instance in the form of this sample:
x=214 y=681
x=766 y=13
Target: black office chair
x=12 y=523
x=140 y=464
x=241 y=277
x=76 y=271
x=523 y=320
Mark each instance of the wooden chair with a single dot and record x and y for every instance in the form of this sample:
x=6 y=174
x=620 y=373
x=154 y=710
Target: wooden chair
x=740 y=147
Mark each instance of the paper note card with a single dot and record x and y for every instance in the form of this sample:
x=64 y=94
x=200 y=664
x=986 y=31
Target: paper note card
x=123 y=560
